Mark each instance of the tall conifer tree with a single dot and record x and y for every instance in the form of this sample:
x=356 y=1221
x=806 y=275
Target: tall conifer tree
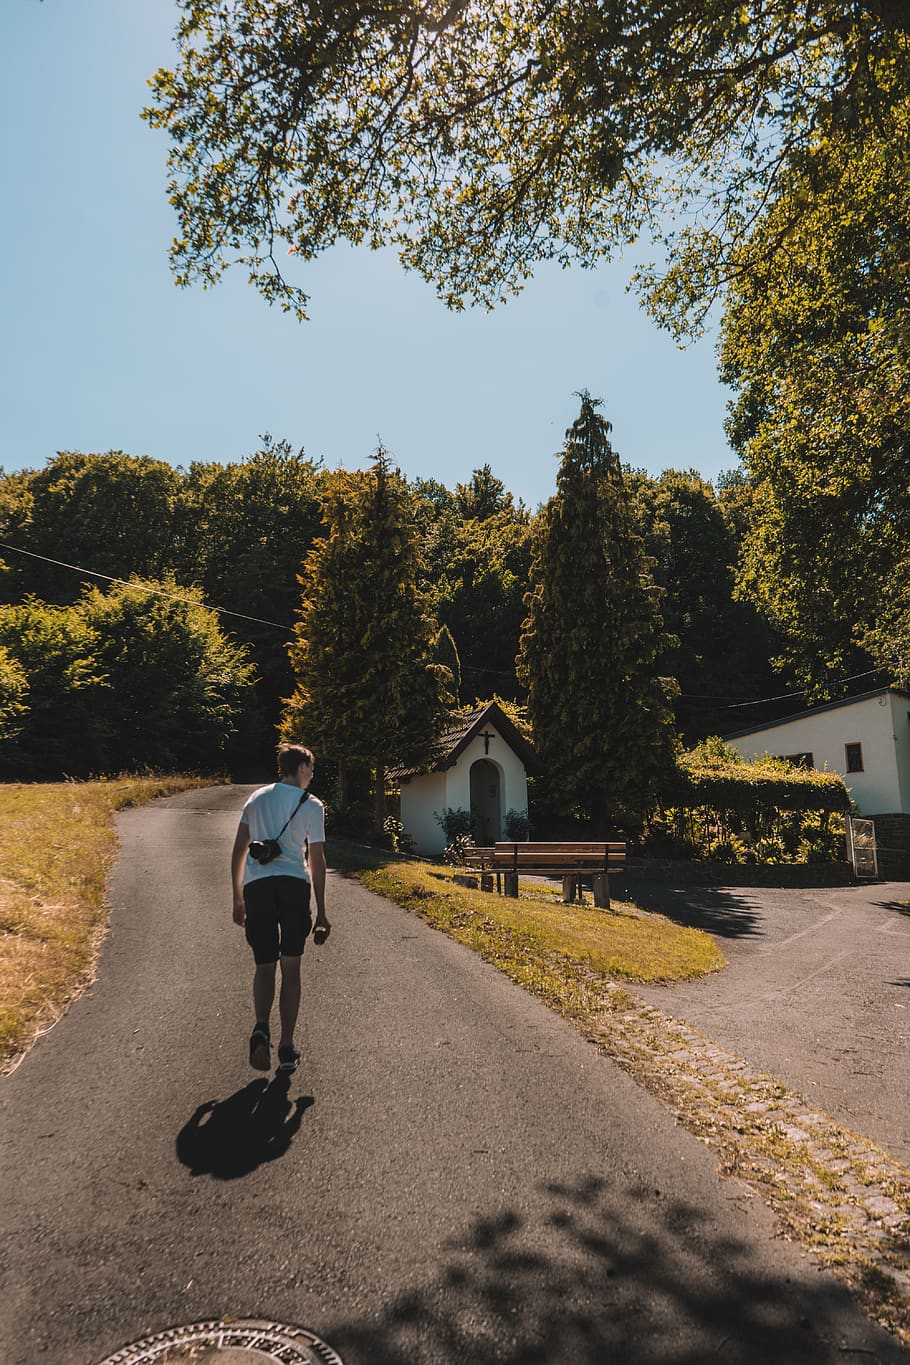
x=445 y=652
x=368 y=688
x=601 y=718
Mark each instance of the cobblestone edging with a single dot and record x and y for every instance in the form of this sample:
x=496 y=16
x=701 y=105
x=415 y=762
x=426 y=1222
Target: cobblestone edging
x=840 y=1195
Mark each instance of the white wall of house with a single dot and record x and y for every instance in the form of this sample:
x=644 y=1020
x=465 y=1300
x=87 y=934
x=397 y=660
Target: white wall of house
x=900 y=714
x=422 y=797
x=879 y=723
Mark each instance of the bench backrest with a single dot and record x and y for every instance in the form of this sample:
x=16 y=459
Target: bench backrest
x=474 y=855
x=565 y=855
x=566 y=846
x=568 y=855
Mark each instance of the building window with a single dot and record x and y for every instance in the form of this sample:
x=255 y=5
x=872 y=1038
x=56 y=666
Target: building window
x=854 y=754
x=800 y=760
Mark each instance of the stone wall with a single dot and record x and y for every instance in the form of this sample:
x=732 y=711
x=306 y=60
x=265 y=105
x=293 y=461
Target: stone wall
x=892 y=840
x=733 y=874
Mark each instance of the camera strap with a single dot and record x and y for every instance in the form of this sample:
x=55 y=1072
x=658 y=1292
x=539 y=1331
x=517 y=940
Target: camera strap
x=291 y=816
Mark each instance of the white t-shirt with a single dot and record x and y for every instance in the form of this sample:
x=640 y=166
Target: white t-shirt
x=265 y=812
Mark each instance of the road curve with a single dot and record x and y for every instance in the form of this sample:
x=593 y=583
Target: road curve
x=453 y=1174
x=816 y=992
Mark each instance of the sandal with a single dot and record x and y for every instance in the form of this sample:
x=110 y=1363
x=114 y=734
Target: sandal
x=260 y=1049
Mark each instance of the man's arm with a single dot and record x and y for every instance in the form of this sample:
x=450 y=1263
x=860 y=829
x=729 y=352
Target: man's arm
x=238 y=857
x=316 y=860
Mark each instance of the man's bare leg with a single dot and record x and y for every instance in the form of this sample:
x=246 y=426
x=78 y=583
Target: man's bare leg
x=289 y=999
x=263 y=998
x=264 y=991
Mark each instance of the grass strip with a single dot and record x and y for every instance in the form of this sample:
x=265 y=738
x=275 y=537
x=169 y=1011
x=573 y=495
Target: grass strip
x=58 y=842
x=538 y=932
x=843 y=1197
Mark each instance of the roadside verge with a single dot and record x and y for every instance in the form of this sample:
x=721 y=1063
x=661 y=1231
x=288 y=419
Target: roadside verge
x=58 y=842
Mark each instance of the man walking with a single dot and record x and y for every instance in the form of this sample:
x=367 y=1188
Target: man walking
x=277 y=863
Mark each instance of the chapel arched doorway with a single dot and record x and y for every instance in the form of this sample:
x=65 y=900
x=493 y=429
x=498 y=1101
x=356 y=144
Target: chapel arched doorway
x=486 y=802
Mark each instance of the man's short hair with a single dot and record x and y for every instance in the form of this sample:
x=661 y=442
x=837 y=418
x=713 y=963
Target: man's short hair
x=290 y=757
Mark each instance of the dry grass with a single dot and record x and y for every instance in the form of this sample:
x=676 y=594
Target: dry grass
x=58 y=845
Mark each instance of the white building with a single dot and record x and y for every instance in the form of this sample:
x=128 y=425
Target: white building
x=482 y=766
x=866 y=739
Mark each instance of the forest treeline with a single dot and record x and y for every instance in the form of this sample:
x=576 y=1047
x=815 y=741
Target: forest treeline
x=110 y=657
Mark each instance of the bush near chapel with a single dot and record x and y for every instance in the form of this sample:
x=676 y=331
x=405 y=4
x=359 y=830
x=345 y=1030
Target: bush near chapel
x=720 y=807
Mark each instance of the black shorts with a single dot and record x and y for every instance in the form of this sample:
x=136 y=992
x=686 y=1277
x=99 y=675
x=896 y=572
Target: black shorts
x=277 y=917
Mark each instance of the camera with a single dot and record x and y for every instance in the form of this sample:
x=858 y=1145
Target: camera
x=264 y=850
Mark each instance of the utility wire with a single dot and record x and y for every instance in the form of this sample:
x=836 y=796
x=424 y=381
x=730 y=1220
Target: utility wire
x=760 y=701
x=143 y=587
x=475 y=668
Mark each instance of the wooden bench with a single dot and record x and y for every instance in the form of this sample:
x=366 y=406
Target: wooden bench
x=570 y=860
x=482 y=860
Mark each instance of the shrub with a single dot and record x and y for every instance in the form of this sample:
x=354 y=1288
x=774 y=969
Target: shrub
x=453 y=821
x=729 y=810
x=517 y=825
x=395 y=836
x=456 y=849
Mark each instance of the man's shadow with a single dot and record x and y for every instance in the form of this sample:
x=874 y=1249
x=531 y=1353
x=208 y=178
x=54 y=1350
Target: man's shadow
x=229 y=1138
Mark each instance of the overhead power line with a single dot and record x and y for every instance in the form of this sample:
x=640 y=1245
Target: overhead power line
x=144 y=587
x=259 y=620
x=761 y=701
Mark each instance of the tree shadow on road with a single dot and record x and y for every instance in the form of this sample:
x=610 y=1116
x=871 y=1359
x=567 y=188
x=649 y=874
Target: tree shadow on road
x=727 y=913
x=227 y=1139
x=603 y=1272
x=900 y=907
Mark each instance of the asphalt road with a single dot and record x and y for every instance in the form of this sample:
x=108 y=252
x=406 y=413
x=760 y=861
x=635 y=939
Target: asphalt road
x=817 y=992
x=453 y=1175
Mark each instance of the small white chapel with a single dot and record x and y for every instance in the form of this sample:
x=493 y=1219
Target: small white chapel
x=482 y=764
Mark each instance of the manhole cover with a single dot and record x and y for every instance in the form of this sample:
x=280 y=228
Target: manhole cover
x=244 y=1342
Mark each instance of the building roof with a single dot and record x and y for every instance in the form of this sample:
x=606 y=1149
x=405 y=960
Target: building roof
x=463 y=727
x=816 y=711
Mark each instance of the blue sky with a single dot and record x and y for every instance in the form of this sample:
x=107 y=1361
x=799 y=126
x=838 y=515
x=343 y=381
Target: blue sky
x=101 y=351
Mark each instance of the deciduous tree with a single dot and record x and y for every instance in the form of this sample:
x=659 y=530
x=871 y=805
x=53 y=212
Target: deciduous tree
x=122 y=679
x=481 y=139
x=175 y=682
x=114 y=513
x=65 y=729
x=722 y=650
x=13 y=694
x=247 y=527
x=816 y=346
x=478 y=592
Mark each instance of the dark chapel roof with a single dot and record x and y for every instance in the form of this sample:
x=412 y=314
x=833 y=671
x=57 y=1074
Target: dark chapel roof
x=462 y=728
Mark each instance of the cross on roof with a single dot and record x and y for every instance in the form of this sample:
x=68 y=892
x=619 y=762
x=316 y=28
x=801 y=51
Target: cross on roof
x=486 y=736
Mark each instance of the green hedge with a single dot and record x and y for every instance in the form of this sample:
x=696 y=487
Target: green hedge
x=721 y=807
x=750 y=789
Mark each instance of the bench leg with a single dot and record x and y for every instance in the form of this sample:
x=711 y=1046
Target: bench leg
x=601 y=890
x=486 y=881
x=569 y=889
x=510 y=884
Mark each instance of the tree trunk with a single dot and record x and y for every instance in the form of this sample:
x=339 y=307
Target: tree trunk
x=379 y=797
x=342 y=792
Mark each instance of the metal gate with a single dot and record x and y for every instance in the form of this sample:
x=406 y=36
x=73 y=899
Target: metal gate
x=861 y=847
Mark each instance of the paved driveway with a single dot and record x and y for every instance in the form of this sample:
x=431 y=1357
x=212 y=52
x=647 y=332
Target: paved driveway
x=817 y=992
